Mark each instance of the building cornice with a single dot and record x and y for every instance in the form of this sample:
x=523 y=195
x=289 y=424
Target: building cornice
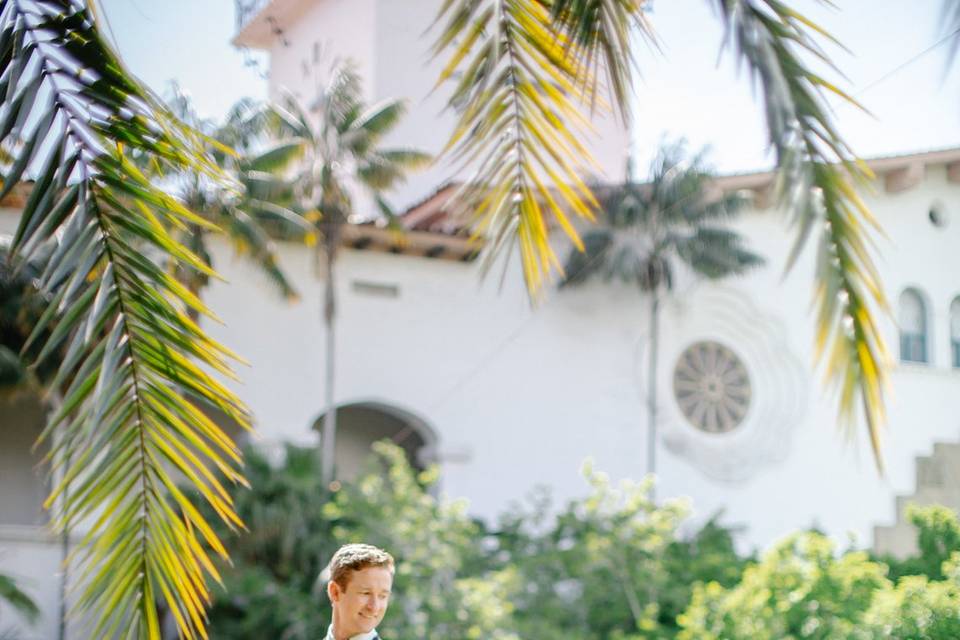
x=263 y=21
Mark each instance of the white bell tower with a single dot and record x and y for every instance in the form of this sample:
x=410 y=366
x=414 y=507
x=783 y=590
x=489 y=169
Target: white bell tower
x=389 y=41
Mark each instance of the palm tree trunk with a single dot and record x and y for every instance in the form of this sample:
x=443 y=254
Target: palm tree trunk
x=329 y=434
x=652 y=387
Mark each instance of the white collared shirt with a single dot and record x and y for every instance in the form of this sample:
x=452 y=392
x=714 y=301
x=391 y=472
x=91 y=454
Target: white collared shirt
x=371 y=635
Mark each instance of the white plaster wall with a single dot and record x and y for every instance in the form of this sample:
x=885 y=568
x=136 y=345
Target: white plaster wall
x=521 y=397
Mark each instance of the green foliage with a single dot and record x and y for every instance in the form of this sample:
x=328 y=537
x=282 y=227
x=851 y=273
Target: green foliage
x=938 y=538
x=609 y=565
x=709 y=556
x=799 y=589
x=273 y=587
x=917 y=608
x=12 y=595
x=270 y=587
x=21 y=306
x=803 y=589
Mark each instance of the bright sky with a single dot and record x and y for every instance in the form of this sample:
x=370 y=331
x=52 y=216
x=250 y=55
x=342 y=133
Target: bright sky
x=682 y=92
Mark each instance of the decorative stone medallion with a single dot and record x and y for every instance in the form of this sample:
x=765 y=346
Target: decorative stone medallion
x=711 y=387
x=734 y=390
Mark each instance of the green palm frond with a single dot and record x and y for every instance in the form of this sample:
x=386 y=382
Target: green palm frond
x=383 y=170
x=16 y=598
x=816 y=177
x=133 y=358
x=582 y=265
x=603 y=29
x=518 y=98
x=715 y=253
x=252 y=241
x=276 y=157
x=234 y=209
x=370 y=126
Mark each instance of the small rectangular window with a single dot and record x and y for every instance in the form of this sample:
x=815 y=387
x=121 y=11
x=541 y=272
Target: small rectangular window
x=955 y=348
x=378 y=289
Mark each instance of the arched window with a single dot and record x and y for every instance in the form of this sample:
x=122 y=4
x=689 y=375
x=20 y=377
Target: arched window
x=955 y=332
x=913 y=327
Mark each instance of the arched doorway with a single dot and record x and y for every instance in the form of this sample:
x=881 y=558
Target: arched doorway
x=360 y=424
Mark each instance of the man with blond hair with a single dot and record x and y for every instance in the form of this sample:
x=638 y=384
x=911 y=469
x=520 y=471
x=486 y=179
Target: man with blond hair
x=360 y=579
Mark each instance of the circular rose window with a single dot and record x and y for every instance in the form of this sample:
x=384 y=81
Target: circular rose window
x=712 y=387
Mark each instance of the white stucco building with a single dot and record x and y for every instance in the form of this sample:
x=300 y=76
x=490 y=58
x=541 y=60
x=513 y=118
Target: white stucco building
x=504 y=397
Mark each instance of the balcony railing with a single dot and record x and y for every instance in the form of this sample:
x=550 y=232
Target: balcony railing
x=247 y=9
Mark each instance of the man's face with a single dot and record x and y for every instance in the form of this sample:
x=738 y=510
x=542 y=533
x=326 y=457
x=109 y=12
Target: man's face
x=360 y=606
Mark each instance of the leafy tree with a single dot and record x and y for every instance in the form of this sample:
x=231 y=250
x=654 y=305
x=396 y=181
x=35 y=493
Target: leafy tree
x=708 y=556
x=596 y=569
x=332 y=151
x=645 y=230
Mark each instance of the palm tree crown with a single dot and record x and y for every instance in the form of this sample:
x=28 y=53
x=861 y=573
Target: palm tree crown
x=674 y=215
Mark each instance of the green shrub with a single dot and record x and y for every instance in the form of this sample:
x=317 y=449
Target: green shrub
x=601 y=567
x=938 y=537
x=916 y=609
x=799 y=589
x=608 y=566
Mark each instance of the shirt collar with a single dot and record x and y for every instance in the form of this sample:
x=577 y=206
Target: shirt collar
x=371 y=635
